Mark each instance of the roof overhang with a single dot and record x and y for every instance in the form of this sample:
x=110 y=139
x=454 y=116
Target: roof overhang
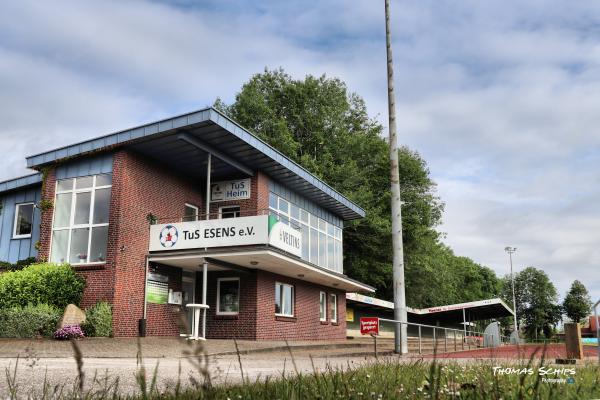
x=21 y=183
x=184 y=142
x=265 y=259
x=477 y=310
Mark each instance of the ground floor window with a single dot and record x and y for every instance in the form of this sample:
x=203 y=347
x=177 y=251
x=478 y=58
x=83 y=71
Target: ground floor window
x=284 y=299
x=228 y=296
x=323 y=306
x=23 y=221
x=334 y=308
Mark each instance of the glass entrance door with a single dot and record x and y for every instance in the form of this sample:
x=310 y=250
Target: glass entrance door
x=188 y=288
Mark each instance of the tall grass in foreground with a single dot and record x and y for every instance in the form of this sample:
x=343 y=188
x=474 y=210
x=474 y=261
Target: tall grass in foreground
x=383 y=379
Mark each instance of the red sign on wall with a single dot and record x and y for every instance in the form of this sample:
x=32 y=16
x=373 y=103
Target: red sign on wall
x=369 y=326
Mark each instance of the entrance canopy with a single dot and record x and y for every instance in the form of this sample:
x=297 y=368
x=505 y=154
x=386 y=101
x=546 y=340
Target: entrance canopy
x=259 y=257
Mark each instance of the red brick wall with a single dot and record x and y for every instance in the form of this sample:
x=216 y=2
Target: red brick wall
x=48 y=189
x=141 y=186
x=305 y=325
x=256 y=319
x=241 y=326
x=165 y=319
x=99 y=279
x=257 y=204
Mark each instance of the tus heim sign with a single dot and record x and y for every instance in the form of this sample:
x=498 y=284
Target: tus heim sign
x=243 y=231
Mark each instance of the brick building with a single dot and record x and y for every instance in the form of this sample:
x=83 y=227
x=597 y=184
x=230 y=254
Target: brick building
x=188 y=226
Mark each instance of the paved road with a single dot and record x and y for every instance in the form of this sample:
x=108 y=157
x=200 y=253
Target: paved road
x=32 y=372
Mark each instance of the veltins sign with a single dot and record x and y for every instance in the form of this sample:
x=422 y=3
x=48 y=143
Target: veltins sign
x=230 y=190
x=369 y=326
x=262 y=229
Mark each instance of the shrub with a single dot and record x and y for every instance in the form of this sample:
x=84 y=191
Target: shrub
x=52 y=284
x=69 y=332
x=29 y=321
x=98 y=320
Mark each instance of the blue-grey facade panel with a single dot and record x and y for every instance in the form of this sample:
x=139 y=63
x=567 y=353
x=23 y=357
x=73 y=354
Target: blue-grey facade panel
x=304 y=203
x=100 y=164
x=13 y=250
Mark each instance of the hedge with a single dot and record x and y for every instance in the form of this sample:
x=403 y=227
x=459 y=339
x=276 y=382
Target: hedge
x=55 y=285
x=98 y=320
x=29 y=321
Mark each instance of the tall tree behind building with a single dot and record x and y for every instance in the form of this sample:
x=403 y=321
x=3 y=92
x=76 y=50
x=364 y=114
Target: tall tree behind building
x=577 y=304
x=537 y=299
x=318 y=123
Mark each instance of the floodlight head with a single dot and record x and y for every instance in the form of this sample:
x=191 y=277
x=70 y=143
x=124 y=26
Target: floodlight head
x=509 y=249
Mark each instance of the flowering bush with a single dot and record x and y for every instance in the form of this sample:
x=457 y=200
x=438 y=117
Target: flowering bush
x=69 y=332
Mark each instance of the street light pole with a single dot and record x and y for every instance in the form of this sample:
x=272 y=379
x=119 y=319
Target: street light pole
x=510 y=251
x=400 y=332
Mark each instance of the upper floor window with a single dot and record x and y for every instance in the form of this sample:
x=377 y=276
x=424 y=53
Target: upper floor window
x=80 y=226
x=321 y=240
x=191 y=213
x=23 y=221
x=229 y=212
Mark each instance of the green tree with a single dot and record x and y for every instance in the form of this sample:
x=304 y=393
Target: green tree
x=318 y=123
x=536 y=299
x=577 y=304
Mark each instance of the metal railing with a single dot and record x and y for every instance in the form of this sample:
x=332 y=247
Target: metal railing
x=467 y=338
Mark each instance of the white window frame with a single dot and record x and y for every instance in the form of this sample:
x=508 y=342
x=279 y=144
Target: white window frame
x=72 y=226
x=281 y=314
x=322 y=306
x=195 y=208
x=219 y=280
x=334 y=307
x=26 y=236
x=232 y=206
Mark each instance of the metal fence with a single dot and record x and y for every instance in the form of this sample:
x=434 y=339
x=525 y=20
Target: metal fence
x=460 y=339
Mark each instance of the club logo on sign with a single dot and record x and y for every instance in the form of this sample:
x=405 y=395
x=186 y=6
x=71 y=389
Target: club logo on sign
x=168 y=236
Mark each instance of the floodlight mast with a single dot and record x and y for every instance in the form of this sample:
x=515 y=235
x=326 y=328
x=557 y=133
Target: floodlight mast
x=510 y=251
x=400 y=332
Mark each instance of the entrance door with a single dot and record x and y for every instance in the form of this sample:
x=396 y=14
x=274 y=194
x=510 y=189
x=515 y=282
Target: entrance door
x=188 y=288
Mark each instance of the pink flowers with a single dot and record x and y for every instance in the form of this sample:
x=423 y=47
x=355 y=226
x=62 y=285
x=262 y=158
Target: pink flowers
x=69 y=332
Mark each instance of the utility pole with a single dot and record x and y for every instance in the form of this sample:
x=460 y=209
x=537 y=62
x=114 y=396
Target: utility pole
x=510 y=251
x=400 y=339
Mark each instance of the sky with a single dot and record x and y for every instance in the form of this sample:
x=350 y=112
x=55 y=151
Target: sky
x=501 y=98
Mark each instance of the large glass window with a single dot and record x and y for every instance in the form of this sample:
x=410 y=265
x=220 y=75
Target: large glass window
x=228 y=296
x=284 y=299
x=23 y=221
x=321 y=240
x=80 y=227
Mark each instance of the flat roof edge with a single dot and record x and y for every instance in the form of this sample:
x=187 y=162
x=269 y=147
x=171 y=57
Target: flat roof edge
x=20 y=182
